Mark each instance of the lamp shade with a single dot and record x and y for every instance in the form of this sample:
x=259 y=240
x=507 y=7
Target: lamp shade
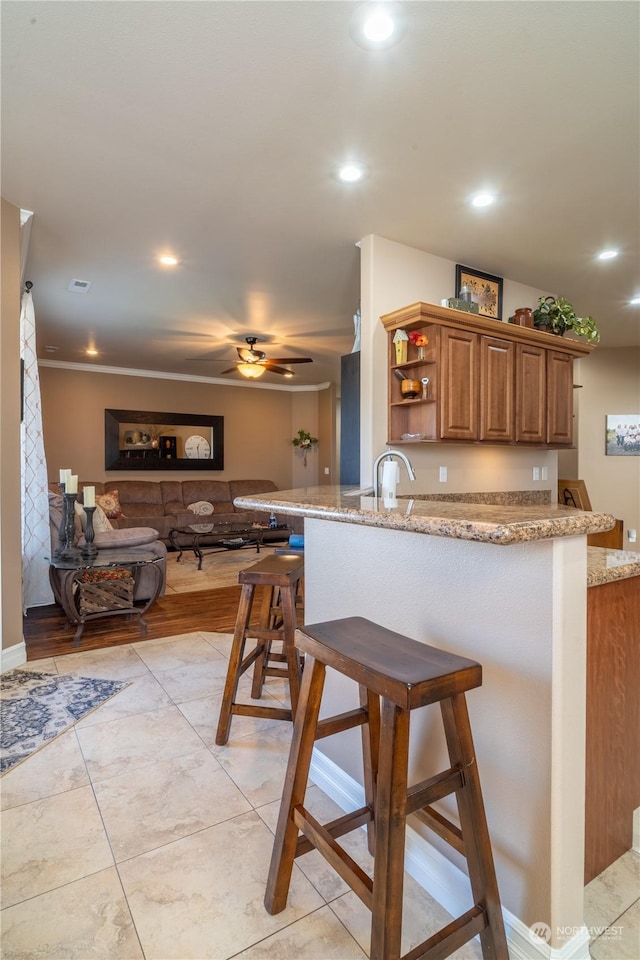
x=251 y=370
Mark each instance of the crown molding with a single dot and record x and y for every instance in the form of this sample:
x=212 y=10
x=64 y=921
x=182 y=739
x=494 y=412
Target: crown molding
x=189 y=378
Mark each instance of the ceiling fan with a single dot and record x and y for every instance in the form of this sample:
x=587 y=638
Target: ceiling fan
x=253 y=363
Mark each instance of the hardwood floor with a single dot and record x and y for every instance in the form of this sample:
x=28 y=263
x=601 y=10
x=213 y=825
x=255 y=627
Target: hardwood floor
x=47 y=632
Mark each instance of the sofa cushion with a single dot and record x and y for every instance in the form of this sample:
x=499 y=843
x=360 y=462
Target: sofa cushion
x=138 y=492
x=110 y=503
x=246 y=488
x=133 y=537
x=215 y=491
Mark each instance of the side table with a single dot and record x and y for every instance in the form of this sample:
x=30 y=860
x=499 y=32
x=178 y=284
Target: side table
x=65 y=577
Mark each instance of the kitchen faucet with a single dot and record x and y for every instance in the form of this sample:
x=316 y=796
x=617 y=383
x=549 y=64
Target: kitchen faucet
x=389 y=455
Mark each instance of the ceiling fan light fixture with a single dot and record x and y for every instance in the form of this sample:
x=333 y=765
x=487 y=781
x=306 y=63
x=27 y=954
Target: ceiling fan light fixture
x=251 y=370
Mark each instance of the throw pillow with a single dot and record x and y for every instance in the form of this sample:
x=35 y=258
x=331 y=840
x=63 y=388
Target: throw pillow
x=100 y=521
x=202 y=507
x=110 y=503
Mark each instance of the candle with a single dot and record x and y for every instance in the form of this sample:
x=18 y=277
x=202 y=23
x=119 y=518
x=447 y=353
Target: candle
x=89 y=495
x=63 y=475
x=71 y=485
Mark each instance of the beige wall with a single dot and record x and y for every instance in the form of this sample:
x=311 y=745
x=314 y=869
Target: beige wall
x=610 y=381
x=257 y=422
x=10 y=536
x=328 y=463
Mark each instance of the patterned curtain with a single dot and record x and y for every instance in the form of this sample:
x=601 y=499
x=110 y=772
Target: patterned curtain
x=36 y=541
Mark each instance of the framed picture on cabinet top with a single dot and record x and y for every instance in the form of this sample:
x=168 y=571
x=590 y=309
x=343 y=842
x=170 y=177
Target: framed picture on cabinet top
x=486 y=290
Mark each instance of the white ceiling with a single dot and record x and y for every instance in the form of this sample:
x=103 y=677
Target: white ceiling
x=211 y=129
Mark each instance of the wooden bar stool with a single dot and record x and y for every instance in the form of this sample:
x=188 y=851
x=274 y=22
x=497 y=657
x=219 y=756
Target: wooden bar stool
x=280 y=576
x=395 y=675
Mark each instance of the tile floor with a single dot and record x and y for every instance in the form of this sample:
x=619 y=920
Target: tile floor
x=134 y=836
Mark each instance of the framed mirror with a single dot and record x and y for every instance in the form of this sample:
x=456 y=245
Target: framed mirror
x=140 y=440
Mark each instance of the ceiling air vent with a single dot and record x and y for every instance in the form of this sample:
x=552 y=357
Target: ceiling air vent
x=79 y=286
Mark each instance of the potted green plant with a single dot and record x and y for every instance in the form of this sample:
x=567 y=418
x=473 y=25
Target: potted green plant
x=556 y=315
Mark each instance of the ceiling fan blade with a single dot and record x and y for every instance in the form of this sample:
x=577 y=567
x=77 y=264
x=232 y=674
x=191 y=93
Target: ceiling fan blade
x=207 y=359
x=273 y=368
x=291 y=360
x=230 y=370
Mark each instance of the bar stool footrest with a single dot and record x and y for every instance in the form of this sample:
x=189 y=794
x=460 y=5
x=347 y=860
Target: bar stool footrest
x=452 y=937
x=350 y=871
x=337 y=828
x=257 y=710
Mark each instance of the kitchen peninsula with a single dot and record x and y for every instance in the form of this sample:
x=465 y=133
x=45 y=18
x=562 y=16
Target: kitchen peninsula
x=506 y=585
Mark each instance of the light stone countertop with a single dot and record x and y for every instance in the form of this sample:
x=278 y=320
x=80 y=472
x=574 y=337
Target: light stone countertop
x=501 y=524
x=605 y=565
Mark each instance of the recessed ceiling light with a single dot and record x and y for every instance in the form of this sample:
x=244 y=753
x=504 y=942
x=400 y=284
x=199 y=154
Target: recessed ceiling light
x=351 y=172
x=607 y=254
x=168 y=261
x=377 y=26
x=288 y=374
x=483 y=199
x=634 y=302
x=91 y=352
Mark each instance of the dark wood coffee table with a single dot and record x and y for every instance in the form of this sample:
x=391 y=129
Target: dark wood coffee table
x=220 y=537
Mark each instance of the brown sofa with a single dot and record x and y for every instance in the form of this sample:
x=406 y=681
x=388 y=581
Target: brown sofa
x=163 y=504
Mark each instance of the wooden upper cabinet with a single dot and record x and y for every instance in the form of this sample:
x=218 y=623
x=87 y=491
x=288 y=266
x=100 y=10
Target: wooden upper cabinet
x=559 y=398
x=459 y=385
x=531 y=387
x=497 y=366
x=490 y=382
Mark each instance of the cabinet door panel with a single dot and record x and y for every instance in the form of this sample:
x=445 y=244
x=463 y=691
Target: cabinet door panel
x=531 y=392
x=497 y=361
x=459 y=386
x=559 y=397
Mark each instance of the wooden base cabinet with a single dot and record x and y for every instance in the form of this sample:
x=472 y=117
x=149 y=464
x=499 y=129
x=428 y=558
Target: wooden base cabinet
x=613 y=722
x=489 y=382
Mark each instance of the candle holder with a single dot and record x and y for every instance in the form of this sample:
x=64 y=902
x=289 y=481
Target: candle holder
x=69 y=552
x=62 y=532
x=89 y=551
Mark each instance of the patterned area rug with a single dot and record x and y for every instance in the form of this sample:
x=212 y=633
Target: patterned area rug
x=37 y=707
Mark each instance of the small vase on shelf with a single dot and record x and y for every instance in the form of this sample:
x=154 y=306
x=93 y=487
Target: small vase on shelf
x=422 y=353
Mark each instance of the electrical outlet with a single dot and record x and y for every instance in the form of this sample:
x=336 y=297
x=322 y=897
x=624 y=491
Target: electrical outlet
x=536 y=473
x=326 y=470
x=442 y=475
x=631 y=536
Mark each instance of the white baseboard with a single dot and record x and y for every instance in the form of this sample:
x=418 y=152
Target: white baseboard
x=441 y=878
x=13 y=657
